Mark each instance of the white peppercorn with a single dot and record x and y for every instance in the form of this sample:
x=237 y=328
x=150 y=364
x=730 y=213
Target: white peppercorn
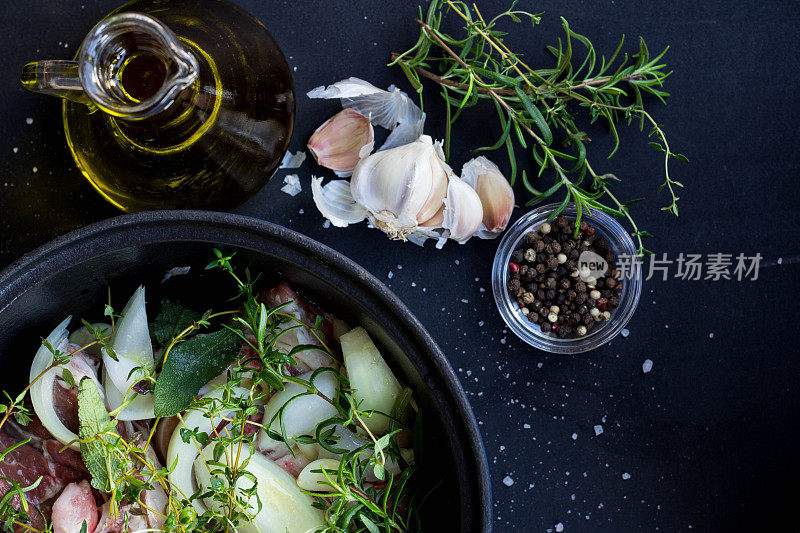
x=555 y=309
x=552 y=317
x=530 y=255
x=581 y=330
x=595 y=312
x=545 y=228
x=561 y=259
x=594 y=295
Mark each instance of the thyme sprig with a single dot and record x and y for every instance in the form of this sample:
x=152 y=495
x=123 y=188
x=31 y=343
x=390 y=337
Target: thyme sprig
x=539 y=105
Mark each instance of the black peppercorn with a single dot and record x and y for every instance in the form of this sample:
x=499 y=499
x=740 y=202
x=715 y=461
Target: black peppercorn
x=551 y=294
x=517 y=256
x=513 y=285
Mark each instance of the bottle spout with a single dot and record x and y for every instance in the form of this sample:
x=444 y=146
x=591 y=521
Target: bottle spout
x=57 y=78
x=130 y=66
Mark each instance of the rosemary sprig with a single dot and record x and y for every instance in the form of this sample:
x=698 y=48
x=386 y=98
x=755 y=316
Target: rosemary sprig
x=539 y=104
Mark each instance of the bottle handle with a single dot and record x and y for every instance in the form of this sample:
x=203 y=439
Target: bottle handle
x=57 y=78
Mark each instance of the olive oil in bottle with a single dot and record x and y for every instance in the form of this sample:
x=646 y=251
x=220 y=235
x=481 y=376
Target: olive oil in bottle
x=174 y=104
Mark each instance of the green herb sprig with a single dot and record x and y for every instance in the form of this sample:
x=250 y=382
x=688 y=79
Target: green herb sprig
x=537 y=107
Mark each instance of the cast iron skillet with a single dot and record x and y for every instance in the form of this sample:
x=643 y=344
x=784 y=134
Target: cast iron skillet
x=71 y=275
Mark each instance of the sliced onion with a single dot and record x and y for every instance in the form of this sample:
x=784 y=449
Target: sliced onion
x=181 y=455
x=284 y=507
x=316 y=481
x=132 y=346
x=302 y=415
x=81 y=337
x=142 y=407
x=374 y=384
x=336 y=203
x=42 y=389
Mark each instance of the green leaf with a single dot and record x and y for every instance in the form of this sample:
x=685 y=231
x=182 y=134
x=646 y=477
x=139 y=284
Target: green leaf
x=98 y=436
x=536 y=115
x=66 y=374
x=172 y=319
x=190 y=365
x=370 y=525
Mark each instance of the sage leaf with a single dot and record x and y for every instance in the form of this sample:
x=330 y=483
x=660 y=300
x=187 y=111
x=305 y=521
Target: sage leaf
x=190 y=365
x=171 y=320
x=105 y=462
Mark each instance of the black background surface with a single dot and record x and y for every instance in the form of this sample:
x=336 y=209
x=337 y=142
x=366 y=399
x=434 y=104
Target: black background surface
x=709 y=437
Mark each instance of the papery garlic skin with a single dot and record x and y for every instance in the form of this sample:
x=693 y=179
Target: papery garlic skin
x=402 y=187
x=342 y=140
x=335 y=202
x=495 y=193
x=463 y=211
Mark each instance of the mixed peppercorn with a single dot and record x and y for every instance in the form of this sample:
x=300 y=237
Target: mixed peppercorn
x=553 y=289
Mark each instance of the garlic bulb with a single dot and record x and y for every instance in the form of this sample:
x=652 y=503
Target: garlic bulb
x=402 y=187
x=495 y=194
x=341 y=142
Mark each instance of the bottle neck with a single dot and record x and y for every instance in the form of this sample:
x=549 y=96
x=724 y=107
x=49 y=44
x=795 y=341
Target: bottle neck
x=133 y=67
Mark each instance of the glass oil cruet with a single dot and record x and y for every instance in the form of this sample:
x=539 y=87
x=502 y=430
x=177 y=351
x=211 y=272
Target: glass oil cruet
x=174 y=104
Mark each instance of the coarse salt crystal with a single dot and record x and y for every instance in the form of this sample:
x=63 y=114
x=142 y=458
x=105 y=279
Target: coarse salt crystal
x=598 y=429
x=390 y=275
x=507 y=481
x=29 y=121
x=625 y=332
x=647 y=366
x=559 y=527
x=626 y=476
x=710 y=335
x=526 y=426
x=326 y=224
x=291 y=160
x=292 y=185
x=574 y=436
x=780 y=260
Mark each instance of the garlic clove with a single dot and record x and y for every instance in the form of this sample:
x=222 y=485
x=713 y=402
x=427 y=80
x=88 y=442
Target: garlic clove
x=402 y=186
x=495 y=193
x=391 y=109
x=436 y=220
x=463 y=212
x=336 y=203
x=342 y=140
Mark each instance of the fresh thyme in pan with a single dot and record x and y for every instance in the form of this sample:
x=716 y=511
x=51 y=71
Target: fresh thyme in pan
x=539 y=108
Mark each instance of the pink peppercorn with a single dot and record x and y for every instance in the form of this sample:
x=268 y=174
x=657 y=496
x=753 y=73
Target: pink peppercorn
x=513 y=267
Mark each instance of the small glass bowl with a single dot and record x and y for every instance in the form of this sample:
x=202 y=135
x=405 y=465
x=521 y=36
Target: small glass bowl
x=620 y=243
